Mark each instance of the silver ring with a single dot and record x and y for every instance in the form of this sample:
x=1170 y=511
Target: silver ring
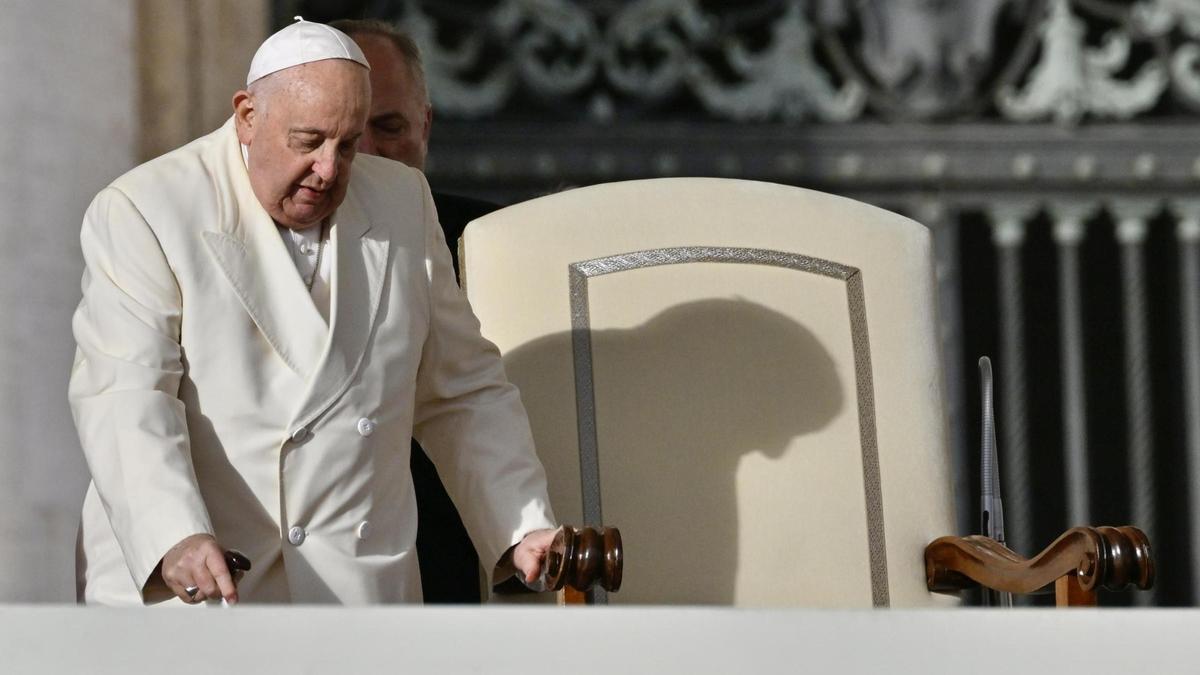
x=191 y=592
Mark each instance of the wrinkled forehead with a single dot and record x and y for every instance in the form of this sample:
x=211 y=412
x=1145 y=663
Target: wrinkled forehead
x=332 y=87
x=334 y=75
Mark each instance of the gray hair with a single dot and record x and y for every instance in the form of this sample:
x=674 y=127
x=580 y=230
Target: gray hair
x=400 y=40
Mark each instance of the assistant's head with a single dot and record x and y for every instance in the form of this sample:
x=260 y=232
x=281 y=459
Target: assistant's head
x=401 y=115
x=301 y=116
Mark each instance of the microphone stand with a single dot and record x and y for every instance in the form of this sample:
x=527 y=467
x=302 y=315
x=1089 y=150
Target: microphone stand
x=991 y=505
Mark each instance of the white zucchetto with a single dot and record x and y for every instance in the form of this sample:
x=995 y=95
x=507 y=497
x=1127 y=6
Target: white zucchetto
x=302 y=42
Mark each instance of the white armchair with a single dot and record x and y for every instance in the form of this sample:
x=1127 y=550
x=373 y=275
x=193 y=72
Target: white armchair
x=744 y=377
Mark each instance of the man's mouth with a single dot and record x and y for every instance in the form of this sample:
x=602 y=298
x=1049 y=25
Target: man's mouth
x=309 y=194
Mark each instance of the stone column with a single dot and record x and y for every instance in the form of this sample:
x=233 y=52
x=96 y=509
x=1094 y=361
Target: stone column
x=1069 y=230
x=1133 y=227
x=193 y=57
x=87 y=90
x=1187 y=234
x=1008 y=235
x=68 y=85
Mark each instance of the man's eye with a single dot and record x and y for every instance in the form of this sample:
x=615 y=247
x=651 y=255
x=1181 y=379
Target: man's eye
x=391 y=128
x=306 y=143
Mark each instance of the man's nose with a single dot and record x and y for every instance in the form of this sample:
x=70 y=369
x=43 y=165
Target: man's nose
x=326 y=166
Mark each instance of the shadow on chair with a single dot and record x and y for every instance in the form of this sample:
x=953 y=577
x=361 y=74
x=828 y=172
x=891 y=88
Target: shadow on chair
x=777 y=382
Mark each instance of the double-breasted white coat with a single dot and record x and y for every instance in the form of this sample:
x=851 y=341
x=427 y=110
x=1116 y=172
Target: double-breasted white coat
x=211 y=396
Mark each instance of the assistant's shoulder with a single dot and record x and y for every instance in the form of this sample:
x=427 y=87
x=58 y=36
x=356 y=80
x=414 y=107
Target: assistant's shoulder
x=392 y=191
x=382 y=177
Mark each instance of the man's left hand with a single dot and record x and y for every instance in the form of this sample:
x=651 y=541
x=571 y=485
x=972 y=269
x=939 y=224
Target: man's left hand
x=527 y=557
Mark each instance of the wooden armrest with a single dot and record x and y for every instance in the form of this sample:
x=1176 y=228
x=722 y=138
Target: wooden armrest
x=579 y=559
x=1084 y=558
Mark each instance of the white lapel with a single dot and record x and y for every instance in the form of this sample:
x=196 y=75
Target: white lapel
x=256 y=263
x=360 y=271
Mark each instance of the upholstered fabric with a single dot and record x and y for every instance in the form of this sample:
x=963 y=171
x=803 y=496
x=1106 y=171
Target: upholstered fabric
x=756 y=368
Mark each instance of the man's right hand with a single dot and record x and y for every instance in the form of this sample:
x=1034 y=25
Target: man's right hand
x=198 y=561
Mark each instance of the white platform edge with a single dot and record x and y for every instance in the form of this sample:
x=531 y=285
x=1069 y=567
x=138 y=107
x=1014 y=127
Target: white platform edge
x=67 y=639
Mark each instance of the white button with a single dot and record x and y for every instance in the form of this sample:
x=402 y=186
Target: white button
x=296 y=535
x=366 y=427
x=307 y=248
x=364 y=529
x=299 y=435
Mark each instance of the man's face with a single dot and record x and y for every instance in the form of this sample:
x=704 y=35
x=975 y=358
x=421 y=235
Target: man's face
x=301 y=131
x=400 y=118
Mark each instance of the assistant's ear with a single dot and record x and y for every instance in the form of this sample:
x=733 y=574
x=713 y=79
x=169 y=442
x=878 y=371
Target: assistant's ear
x=244 y=116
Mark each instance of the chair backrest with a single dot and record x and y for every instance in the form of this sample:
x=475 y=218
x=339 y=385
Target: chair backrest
x=741 y=376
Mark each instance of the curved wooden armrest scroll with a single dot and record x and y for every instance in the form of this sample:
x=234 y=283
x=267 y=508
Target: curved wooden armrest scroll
x=1108 y=557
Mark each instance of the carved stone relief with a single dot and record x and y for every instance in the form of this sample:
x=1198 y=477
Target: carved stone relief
x=1067 y=61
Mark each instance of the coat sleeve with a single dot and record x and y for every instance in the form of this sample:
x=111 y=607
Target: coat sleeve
x=470 y=419
x=125 y=383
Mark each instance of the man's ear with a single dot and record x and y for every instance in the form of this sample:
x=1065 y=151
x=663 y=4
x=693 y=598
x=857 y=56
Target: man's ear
x=244 y=116
x=428 y=123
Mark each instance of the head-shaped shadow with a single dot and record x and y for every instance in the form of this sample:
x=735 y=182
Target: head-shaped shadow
x=680 y=400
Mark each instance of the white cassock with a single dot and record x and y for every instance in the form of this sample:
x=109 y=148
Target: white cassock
x=210 y=395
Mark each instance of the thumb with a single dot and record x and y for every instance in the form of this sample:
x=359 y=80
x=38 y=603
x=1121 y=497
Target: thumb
x=529 y=563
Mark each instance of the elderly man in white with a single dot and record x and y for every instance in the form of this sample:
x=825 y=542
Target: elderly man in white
x=262 y=329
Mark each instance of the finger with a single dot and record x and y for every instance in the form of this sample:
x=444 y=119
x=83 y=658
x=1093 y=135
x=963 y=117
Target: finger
x=204 y=579
x=181 y=587
x=529 y=563
x=178 y=579
x=533 y=568
x=222 y=577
